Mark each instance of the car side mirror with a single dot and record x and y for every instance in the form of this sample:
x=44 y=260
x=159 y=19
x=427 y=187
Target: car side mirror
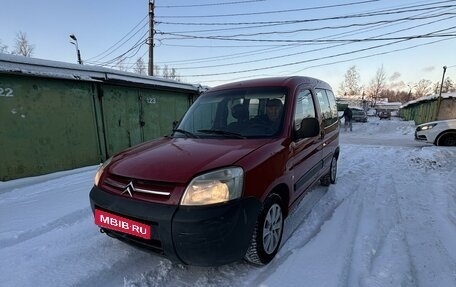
x=310 y=127
x=175 y=123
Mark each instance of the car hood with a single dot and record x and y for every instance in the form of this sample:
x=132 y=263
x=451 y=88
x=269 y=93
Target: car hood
x=450 y=123
x=180 y=159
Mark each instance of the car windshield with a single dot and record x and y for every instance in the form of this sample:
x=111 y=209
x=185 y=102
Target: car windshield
x=237 y=113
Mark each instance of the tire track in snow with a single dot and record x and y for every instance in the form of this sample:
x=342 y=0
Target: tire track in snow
x=420 y=218
x=66 y=220
x=387 y=259
x=321 y=213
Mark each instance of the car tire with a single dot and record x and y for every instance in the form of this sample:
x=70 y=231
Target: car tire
x=330 y=177
x=446 y=139
x=268 y=232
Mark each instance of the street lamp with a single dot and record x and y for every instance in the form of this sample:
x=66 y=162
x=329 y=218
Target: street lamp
x=74 y=41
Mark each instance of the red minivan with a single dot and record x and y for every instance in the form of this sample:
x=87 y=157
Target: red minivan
x=218 y=188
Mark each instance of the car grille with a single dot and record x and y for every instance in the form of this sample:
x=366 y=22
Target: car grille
x=137 y=188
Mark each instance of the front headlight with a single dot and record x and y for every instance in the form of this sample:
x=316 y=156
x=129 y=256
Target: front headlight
x=100 y=170
x=425 y=127
x=214 y=187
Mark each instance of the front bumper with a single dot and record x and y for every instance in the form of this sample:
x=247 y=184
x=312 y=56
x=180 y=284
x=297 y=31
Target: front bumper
x=420 y=137
x=202 y=236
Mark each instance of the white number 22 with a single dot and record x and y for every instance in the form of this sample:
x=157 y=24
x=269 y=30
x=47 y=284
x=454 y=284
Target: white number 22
x=7 y=92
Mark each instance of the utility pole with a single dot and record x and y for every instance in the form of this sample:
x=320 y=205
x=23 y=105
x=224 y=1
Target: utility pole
x=443 y=78
x=151 y=37
x=439 y=99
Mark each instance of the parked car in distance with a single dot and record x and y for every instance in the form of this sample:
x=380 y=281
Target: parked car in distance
x=359 y=115
x=384 y=114
x=440 y=133
x=218 y=189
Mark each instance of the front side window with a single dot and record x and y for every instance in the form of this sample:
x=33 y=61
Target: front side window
x=304 y=108
x=237 y=113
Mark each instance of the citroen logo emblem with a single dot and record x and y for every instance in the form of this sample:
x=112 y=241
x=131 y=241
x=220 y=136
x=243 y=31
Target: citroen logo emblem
x=129 y=189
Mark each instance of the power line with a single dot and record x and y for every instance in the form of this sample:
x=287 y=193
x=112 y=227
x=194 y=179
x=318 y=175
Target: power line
x=325 y=27
x=377 y=54
x=288 y=46
x=211 y=4
x=295 y=54
x=99 y=60
x=274 y=12
x=338 y=62
x=139 y=23
x=348 y=60
x=306 y=61
x=141 y=41
x=319 y=41
x=284 y=22
x=133 y=51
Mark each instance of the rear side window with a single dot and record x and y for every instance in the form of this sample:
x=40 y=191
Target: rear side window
x=328 y=106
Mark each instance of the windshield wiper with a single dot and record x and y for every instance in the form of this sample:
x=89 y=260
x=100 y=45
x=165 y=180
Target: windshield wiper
x=187 y=133
x=221 y=132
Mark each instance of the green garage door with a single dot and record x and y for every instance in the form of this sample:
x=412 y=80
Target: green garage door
x=121 y=111
x=45 y=125
x=159 y=110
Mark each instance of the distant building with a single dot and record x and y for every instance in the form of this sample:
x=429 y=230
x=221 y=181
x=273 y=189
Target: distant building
x=343 y=102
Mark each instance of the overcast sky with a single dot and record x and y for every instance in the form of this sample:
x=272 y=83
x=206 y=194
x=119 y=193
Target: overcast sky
x=255 y=39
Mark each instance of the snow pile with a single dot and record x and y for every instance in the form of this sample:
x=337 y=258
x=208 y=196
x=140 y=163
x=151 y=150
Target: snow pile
x=389 y=221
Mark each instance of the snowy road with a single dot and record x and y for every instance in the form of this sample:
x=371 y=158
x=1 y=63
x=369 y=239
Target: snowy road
x=389 y=221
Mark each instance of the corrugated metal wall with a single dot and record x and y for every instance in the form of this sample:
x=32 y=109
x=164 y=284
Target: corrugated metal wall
x=447 y=109
x=145 y=114
x=49 y=125
x=46 y=125
x=431 y=110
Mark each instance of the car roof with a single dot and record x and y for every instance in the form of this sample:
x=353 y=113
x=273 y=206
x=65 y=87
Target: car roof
x=289 y=82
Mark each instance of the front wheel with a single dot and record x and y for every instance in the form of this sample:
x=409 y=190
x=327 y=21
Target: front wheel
x=268 y=232
x=448 y=139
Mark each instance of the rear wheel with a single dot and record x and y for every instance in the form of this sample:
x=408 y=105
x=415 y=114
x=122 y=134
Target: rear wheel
x=268 y=232
x=331 y=176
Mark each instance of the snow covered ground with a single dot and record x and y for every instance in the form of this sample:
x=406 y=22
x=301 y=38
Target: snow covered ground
x=389 y=221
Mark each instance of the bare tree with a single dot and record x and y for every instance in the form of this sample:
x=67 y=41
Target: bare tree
x=120 y=65
x=350 y=86
x=140 y=67
x=3 y=48
x=165 y=72
x=173 y=75
x=436 y=87
x=156 y=70
x=377 y=85
x=22 y=46
x=448 y=85
x=423 y=88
